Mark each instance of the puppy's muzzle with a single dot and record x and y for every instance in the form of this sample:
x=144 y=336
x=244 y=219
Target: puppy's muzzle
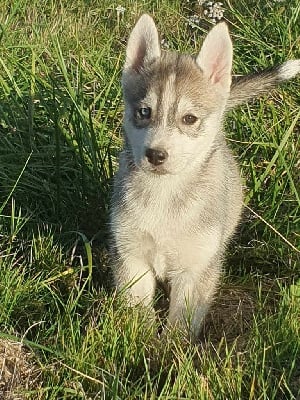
x=156 y=156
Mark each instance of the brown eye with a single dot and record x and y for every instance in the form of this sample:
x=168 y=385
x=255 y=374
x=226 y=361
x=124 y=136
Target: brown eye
x=189 y=119
x=143 y=113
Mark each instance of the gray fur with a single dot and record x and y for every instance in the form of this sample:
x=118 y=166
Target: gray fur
x=171 y=221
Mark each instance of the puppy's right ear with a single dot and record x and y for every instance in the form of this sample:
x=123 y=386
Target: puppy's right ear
x=143 y=44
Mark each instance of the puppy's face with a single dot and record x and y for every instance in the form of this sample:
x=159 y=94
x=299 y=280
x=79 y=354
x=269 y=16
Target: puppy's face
x=172 y=114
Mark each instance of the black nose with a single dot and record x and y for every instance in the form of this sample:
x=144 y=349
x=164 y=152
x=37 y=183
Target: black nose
x=156 y=156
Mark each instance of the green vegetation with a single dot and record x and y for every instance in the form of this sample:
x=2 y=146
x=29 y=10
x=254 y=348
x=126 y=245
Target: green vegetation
x=60 y=132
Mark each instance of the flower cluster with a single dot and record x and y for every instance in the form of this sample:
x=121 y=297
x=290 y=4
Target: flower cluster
x=194 y=21
x=214 y=11
x=120 y=10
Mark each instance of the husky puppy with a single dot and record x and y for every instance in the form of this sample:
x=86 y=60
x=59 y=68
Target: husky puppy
x=177 y=195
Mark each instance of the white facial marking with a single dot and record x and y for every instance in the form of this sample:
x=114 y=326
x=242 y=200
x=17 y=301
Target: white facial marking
x=168 y=98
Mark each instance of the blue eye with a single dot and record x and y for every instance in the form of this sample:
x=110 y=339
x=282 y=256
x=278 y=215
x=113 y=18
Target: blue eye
x=143 y=113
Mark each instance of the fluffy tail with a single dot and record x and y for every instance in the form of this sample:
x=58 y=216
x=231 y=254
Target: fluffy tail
x=247 y=87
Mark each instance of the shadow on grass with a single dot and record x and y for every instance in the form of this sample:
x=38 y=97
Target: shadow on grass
x=60 y=156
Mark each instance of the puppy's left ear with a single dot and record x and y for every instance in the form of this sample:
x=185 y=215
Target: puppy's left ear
x=215 y=57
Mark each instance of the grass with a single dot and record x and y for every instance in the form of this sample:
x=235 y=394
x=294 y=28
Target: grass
x=63 y=333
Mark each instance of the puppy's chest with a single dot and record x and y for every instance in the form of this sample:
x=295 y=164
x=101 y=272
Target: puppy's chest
x=160 y=216
x=156 y=210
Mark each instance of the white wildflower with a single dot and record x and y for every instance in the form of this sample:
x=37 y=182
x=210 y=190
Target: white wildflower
x=120 y=10
x=214 y=11
x=194 y=21
x=165 y=44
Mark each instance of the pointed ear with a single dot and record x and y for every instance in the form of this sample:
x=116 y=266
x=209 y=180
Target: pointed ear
x=143 y=44
x=215 y=57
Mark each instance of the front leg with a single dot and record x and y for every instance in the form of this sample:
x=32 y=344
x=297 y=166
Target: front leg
x=193 y=283
x=191 y=296
x=133 y=276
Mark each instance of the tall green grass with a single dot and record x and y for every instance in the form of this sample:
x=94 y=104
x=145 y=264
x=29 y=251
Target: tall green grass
x=60 y=133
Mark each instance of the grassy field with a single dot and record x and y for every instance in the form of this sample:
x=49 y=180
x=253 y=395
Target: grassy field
x=63 y=332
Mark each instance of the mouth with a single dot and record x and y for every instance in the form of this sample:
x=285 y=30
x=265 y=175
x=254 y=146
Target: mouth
x=155 y=170
x=159 y=171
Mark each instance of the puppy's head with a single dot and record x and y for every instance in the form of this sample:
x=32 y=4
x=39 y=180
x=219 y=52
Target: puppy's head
x=173 y=103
